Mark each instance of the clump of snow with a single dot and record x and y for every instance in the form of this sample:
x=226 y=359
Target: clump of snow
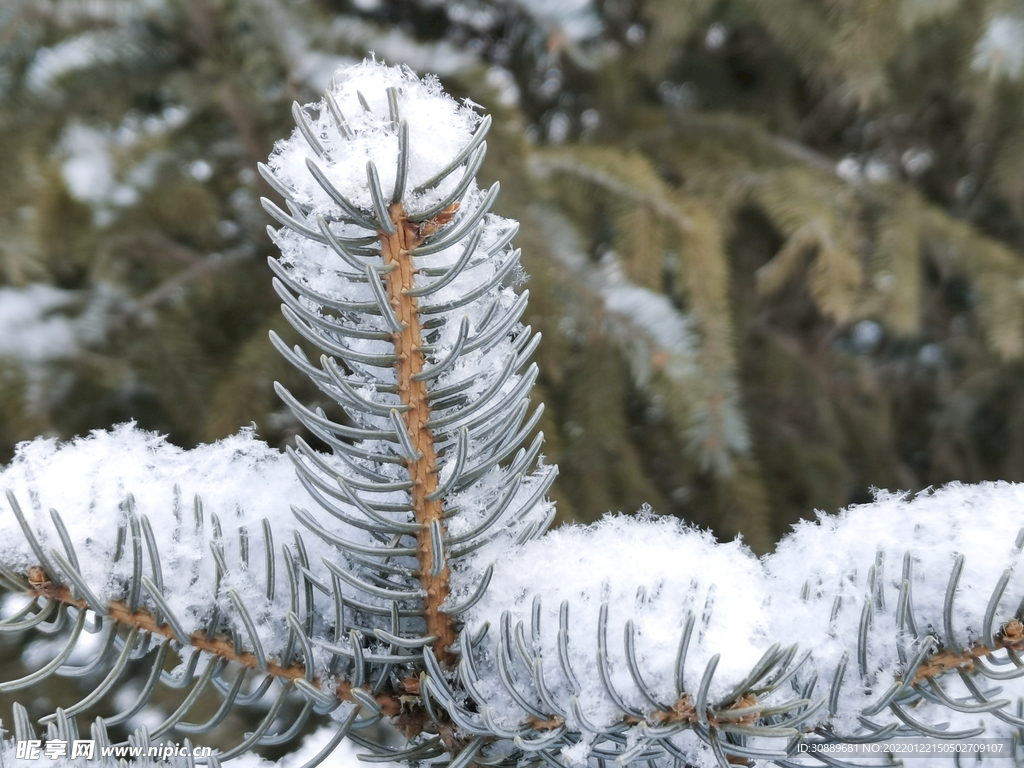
x=859 y=555
x=110 y=168
x=849 y=170
x=31 y=329
x=659 y=343
x=576 y=19
x=240 y=482
x=50 y=65
x=577 y=754
x=439 y=128
x=653 y=333
x=42 y=327
x=504 y=82
x=1000 y=51
x=89 y=169
x=653 y=571
x=72 y=13
x=812 y=593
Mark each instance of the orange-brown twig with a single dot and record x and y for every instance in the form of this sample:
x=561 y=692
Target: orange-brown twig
x=413 y=393
x=218 y=645
x=1010 y=636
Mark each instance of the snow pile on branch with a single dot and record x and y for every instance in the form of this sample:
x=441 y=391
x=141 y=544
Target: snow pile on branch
x=652 y=571
x=858 y=602
x=888 y=571
x=188 y=503
x=439 y=129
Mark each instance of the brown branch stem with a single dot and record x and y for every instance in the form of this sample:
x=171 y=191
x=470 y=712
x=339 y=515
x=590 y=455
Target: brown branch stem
x=218 y=645
x=1010 y=636
x=422 y=471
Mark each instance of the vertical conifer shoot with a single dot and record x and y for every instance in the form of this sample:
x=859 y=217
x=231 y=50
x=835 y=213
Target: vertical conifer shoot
x=407 y=296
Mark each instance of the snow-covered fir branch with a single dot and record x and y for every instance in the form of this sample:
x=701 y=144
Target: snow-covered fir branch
x=406 y=574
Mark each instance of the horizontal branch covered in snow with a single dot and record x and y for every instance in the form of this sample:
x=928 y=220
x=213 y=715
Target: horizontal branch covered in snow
x=845 y=615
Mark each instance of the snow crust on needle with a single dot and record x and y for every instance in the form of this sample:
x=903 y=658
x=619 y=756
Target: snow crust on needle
x=439 y=127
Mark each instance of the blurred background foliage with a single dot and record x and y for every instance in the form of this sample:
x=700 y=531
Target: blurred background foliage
x=776 y=247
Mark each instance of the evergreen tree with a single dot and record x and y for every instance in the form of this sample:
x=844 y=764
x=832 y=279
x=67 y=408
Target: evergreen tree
x=415 y=580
